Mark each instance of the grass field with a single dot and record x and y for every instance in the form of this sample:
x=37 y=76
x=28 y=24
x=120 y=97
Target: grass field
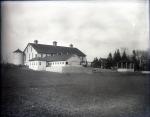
x=26 y=93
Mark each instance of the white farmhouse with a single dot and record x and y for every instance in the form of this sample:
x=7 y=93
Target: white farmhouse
x=52 y=57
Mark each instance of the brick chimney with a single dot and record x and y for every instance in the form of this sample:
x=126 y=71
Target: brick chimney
x=54 y=43
x=36 y=41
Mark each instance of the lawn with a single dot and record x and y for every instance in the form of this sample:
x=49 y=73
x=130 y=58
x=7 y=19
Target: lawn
x=26 y=93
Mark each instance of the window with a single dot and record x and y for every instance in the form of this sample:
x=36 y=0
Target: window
x=39 y=63
x=32 y=55
x=29 y=56
x=36 y=55
x=66 y=63
x=42 y=55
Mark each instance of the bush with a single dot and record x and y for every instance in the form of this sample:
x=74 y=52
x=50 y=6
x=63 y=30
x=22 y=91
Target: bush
x=10 y=65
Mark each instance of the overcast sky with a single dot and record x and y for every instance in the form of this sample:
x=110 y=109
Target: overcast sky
x=96 y=28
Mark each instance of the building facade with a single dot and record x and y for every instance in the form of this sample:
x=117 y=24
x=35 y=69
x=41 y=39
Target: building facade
x=52 y=57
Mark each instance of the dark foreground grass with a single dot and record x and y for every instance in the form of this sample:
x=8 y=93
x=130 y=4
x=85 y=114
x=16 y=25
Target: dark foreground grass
x=27 y=93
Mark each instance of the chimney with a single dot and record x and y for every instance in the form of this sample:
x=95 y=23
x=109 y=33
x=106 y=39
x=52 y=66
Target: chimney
x=54 y=43
x=71 y=45
x=36 y=41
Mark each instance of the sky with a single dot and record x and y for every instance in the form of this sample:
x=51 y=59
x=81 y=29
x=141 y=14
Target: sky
x=94 y=27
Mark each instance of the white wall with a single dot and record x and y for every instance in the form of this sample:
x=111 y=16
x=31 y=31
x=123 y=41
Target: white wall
x=37 y=65
x=33 y=65
x=57 y=63
x=42 y=66
x=125 y=70
x=30 y=53
x=55 y=66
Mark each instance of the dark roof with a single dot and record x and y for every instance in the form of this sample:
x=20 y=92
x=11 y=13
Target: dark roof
x=52 y=58
x=48 y=49
x=37 y=59
x=18 y=51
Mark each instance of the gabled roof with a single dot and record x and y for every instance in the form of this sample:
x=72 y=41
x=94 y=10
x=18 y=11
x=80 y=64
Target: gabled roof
x=53 y=58
x=48 y=49
x=18 y=51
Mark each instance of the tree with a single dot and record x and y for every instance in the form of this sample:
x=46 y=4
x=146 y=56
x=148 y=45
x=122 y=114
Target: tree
x=95 y=62
x=109 y=61
x=135 y=60
x=124 y=56
x=116 y=57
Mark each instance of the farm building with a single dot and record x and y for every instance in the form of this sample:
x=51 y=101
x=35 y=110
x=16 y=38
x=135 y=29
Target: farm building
x=51 y=57
x=18 y=57
x=125 y=66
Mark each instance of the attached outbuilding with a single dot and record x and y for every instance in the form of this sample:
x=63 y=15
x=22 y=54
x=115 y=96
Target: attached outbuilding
x=37 y=64
x=55 y=63
x=125 y=66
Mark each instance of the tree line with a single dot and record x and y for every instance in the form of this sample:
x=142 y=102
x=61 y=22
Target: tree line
x=111 y=61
